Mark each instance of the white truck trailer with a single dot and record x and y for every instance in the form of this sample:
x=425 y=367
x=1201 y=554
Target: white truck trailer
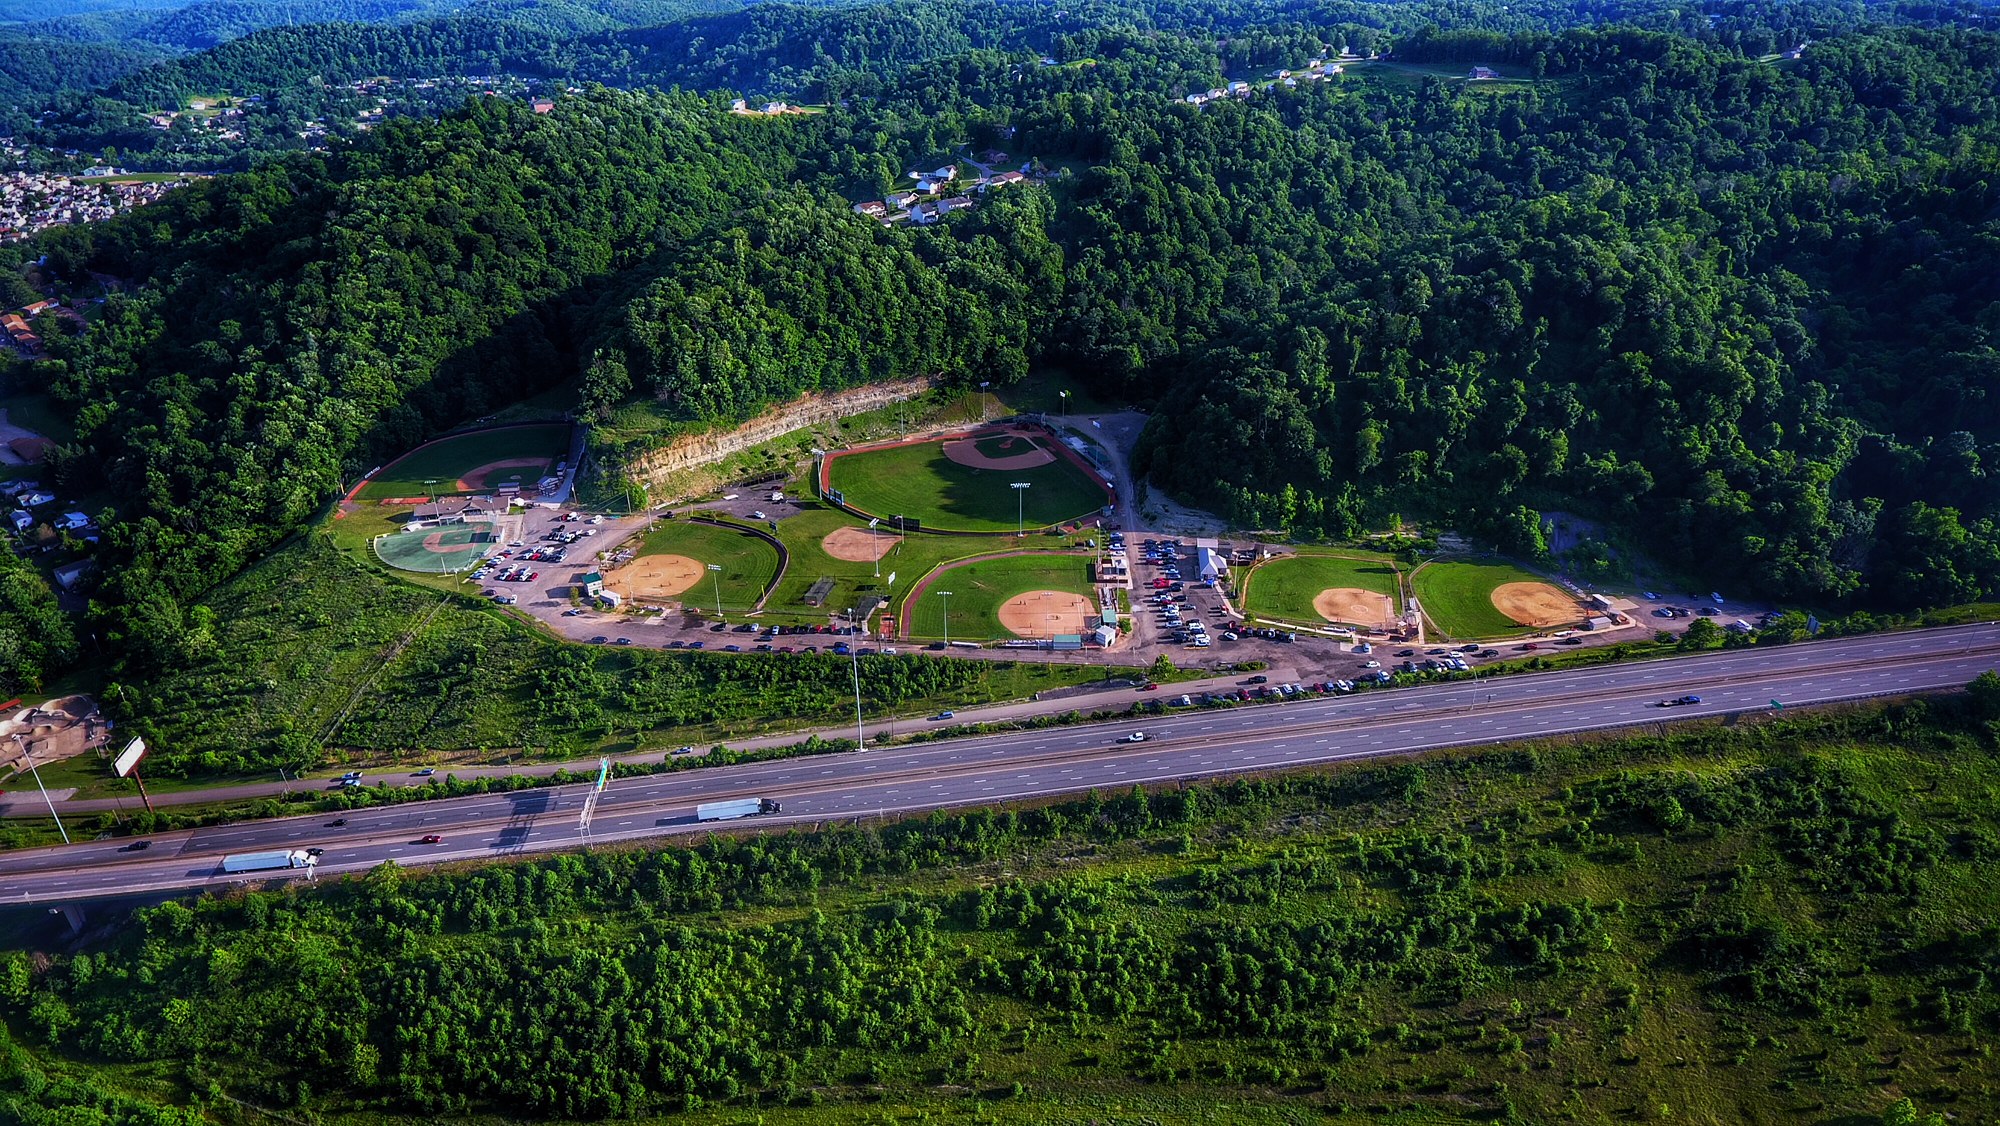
x=264 y=861
x=731 y=810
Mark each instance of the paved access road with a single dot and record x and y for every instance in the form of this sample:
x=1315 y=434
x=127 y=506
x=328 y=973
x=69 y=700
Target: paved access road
x=998 y=768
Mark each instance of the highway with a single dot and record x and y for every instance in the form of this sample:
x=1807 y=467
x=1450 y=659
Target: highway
x=1202 y=743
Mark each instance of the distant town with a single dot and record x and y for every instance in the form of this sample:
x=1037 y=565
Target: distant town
x=35 y=201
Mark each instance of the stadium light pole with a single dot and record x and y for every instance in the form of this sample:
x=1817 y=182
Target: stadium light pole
x=1021 y=508
x=875 y=544
x=430 y=486
x=1065 y=401
x=946 y=595
x=715 y=574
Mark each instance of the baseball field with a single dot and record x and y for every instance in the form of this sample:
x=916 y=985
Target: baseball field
x=467 y=464
x=1012 y=596
x=673 y=561
x=1310 y=587
x=1490 y=599
x=966 y=484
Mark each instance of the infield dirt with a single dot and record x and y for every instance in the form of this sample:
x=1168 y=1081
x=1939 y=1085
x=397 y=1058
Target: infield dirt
x=1537 y=604
x=1045 y=613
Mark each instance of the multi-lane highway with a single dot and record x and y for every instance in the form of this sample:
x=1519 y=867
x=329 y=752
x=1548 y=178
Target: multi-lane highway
x=999 y=768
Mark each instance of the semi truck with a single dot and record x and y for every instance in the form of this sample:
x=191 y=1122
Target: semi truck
x=731 y=810
x=263 y=861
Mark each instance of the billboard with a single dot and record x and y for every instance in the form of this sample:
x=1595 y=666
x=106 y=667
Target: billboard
x=129 y=757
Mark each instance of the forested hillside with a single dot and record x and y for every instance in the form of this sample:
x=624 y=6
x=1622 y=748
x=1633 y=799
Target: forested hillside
x=1738 y=307
x=1726 y=927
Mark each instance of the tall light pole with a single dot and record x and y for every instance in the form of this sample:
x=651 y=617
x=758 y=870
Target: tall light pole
x=1065 y=401
x=715 y=574
x=946 y=595
x=875 y=544
x=1020 y=508
x=854 y=659
x=819 y=470
x=32 y=769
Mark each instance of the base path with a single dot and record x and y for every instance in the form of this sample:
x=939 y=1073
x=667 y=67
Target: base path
x=1353 y=606
x=657 y=576
x=859 y=545
x=493 y=474
x=1537 y=604
x=1046 y=613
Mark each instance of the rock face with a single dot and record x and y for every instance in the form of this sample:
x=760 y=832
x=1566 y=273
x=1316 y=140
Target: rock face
x=665 y=471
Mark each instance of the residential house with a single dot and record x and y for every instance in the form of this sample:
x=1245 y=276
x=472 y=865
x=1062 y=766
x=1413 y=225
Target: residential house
x=1006 y=180
x=36 y=500
x=874 y=209
x=740 y=106
x=1482 y=74
x=72 y=522
x=955 y=203
x=776 y=107
x=1239 y=89
x=901 y=201
x=924 y=214
x=70 y=574
x=21 y=519
x=542 y=105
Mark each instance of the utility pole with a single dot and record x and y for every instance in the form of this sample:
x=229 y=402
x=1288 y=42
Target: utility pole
x=1020 y=508
x=946 y=595
x=715 y=574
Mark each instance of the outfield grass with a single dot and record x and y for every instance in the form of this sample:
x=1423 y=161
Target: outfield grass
x=1284 y=588
x=803 y=535
x=448 y=459
x=1458 y=597
x=747 y=561
x=979 y=588
x=919 y=481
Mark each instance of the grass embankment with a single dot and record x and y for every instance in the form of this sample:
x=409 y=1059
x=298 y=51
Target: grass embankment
x=919 y=481
x=1786 y=922
x=1458 y=597
x=1284 y=588
x=310 y=648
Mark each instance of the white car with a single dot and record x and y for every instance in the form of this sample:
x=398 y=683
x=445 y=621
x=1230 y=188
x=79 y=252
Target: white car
x=1136 y=737
x=1371 y=664
x=759 y=515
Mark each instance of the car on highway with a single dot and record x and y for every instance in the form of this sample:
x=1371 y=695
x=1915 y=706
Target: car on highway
x=427 y=771
x=1137 y=737
x=683 y=750
x=432 y=838
x=336 y=823
x=137 y=846
x=1569 y=641
x=1149 y=686
x=943 y=715
x=622 y=641
x=1680 y=701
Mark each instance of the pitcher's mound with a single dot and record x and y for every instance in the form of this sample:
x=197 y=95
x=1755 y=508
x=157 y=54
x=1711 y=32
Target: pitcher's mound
x=1353 y=606
x=1537 y=604
x=1045 y=613
x=657 y=576
x=859 y=545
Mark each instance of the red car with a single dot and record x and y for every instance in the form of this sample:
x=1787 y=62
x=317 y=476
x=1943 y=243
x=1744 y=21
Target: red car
x=433 y=838
x=1150 y=687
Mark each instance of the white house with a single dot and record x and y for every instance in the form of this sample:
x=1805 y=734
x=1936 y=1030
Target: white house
x=21 y=520
x=72 y=521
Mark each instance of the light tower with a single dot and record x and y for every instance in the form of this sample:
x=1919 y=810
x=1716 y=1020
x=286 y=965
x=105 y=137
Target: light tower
x=1020 y=508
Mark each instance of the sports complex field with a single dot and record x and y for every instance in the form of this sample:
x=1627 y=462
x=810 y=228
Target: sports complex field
x=469 y=464
x=1000 y=597
x=1491 y=600
x=1309 y=587
x=432 y=550
x=964 y=484
x=672 y=563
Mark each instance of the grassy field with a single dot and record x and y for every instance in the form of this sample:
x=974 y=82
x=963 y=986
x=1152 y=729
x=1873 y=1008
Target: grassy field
x=1284 y=588
x=803 y=535
x=979 y=588
x=1458 y=597
x=448 y=459
x=1771 y=924
x=920 y=482
x=320 y=657
x=747 y=561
